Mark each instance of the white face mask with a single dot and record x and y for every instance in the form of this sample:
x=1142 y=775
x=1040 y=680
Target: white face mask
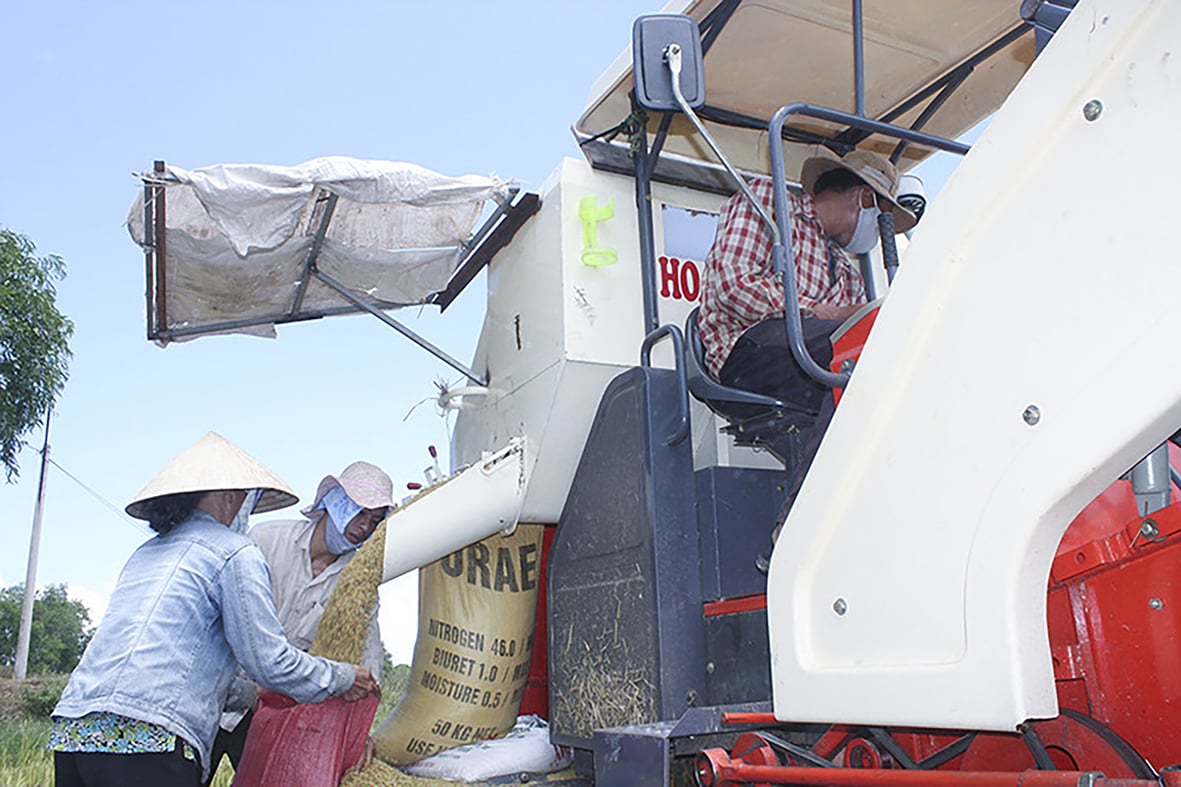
x=865 y=234
x=341 y=510
x=242 y=518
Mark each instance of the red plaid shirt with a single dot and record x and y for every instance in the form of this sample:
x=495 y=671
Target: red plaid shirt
x=740 y=288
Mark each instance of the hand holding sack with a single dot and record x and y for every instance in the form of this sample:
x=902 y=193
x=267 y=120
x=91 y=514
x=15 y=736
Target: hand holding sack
x=310 y=745
x=313 y=745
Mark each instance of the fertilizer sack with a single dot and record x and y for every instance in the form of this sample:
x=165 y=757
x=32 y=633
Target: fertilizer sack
x=471 y=659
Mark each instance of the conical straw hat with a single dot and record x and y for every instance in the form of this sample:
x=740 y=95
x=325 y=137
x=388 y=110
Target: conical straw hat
x=214 y=463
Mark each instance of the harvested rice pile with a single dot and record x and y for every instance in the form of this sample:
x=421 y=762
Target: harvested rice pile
x=341 y=633
x=378 y=774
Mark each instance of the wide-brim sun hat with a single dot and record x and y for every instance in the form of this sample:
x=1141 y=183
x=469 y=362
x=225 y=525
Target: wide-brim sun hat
x=875 y=169
x=214 y=463
x=366 y=484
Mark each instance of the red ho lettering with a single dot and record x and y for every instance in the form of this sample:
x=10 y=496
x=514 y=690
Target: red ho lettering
x=679 y=279
x=670 y=287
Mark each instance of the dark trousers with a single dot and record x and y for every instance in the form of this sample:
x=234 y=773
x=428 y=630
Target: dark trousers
x=761 y=361
x=229 y=744
x=101 y=769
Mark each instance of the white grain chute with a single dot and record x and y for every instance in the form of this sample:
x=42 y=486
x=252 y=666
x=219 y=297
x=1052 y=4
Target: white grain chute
x=481 y=500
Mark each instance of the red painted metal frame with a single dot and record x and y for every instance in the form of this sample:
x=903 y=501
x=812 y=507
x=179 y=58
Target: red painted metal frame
x=731 y=606
x=1113 y=612
x=737 y=717
x=1114 y=616
x=536 y=697
x=848 y=347
x=716 y=769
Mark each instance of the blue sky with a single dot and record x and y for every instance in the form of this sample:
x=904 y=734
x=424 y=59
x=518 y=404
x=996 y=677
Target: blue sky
x=95 y=92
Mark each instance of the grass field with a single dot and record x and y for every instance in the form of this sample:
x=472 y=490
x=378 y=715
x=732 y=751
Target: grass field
x=24 y=761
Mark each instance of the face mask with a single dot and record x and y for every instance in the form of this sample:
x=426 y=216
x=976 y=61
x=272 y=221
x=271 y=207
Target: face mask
x=865 y=235
x=341 y=510
x=238 y=525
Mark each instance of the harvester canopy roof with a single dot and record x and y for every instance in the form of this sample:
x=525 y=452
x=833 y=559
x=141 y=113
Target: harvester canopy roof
x=769 y=53
x=246 y=246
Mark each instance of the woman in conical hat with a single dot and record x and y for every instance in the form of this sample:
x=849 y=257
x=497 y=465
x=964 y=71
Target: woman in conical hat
x=192 y=603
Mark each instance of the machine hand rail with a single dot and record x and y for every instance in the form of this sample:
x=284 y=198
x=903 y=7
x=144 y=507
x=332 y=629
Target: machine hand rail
x=781 y=249
x=651 y=339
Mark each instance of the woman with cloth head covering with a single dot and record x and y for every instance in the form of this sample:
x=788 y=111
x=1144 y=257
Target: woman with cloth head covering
x=191 y=603
x=350 y=506
x=306 y=558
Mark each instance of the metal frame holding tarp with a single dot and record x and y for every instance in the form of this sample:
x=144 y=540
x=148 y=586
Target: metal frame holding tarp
x=241 y=248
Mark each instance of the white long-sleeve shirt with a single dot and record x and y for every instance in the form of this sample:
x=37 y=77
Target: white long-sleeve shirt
x=300 y=599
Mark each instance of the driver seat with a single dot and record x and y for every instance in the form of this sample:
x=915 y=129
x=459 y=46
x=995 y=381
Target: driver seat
x=752 y=419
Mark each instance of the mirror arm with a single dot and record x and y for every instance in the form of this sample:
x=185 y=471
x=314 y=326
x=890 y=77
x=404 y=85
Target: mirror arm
x=672 y=57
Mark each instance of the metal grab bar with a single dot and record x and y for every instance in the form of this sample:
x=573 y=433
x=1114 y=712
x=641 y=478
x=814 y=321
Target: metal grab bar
x=651 y=339
x=781 y=252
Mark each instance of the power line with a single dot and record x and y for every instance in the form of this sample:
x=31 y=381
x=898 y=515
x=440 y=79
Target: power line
x=117 y=511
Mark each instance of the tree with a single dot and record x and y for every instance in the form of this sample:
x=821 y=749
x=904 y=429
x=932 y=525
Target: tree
x=60 y=632
x=394 y=680
x=34 y=342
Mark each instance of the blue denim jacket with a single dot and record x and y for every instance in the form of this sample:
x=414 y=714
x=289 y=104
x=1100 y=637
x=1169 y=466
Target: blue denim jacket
x=189 y=606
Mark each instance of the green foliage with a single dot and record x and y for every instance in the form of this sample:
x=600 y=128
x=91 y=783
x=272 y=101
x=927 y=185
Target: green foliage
x=59 y=632
x=34 y=342
x=38 y=698
x=394 y=680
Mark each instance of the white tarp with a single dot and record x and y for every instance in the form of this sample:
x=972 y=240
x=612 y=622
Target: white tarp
x=238 y=236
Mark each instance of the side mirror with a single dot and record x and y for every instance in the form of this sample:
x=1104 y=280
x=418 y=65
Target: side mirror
x=652 y=36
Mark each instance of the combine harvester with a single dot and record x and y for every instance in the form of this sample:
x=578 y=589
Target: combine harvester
x=1003 y=429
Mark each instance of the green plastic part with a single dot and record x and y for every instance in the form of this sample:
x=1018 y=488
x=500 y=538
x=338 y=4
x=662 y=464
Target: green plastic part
x=591 y=213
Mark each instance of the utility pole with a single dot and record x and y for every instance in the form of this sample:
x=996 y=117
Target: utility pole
x=22 y=637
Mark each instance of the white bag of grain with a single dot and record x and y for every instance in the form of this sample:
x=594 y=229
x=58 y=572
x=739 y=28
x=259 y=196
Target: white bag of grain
x=525 y=749
x=476 y=612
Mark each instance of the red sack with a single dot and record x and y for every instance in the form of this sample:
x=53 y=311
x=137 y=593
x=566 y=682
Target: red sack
x=311 y=745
